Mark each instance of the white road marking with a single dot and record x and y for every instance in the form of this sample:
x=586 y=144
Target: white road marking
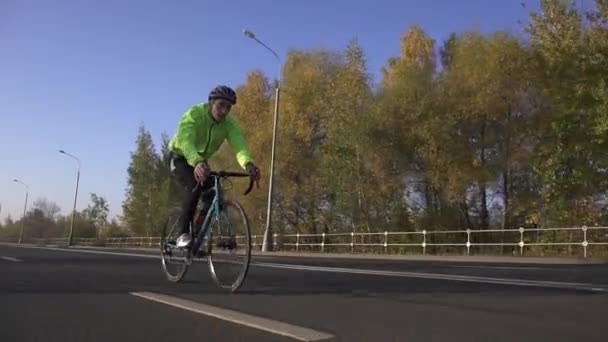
x=421 y=275
x=92 y=252
x=440 y=276
x=10 y=259
x=260 y=323
x=502 y=267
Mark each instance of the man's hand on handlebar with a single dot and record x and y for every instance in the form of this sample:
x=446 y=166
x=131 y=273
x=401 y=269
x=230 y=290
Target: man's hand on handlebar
x=201 y=171
x=254 y=173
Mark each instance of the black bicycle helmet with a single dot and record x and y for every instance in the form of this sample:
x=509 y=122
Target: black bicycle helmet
x=223 y=92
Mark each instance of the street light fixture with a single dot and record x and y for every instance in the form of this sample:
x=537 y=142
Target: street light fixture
x=268 y=236
x=27 y=190
x=75 y=196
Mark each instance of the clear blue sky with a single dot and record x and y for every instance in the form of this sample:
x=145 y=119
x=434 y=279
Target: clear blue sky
x=82 y=75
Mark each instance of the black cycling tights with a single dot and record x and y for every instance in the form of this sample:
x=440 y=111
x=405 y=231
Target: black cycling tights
x=185 y=176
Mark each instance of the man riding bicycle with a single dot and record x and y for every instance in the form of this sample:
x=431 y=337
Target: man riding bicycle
x=200 y=133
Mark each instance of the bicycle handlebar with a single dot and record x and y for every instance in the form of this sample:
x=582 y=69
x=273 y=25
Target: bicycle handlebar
x=226 y=174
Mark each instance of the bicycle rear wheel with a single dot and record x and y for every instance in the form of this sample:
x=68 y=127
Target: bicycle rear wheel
x=229 y=246
x=175 y=260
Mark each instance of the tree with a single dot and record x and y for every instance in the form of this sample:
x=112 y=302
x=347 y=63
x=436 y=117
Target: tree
x=169 y=192
x=48 y=208
x=572 y=162
x=408 y=134
x=142 y=207
x=343 y=164
x=487 y=89
x=448 y=50
x=97 y=212
x=308 y=77
x=114 y=229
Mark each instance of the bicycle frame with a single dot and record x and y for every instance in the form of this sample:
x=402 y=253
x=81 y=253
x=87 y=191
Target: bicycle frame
x=213 y=209
x=216 y=204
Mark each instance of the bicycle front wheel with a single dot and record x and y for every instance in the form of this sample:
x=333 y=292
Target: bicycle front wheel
x=229 y=246
x=175 y=260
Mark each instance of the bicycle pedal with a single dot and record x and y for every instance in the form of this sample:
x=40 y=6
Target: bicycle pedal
x=167 y=249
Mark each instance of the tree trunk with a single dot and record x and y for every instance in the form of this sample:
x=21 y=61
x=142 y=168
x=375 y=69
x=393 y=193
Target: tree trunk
x=148 y=223
x=359 y=210
x=505 y=173
x=505 y=180
x=482 y=186
x=465 y=211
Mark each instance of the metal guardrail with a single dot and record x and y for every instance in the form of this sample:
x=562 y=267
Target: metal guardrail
x=586 y=239
x=583 y=237
x=136 y=241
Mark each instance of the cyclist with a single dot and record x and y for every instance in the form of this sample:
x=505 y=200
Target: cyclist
x=200 y=133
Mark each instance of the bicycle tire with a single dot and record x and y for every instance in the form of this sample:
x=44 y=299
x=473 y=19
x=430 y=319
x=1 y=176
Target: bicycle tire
x=233 y=286
x=165 y=243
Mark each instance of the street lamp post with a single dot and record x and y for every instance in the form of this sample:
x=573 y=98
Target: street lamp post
x=268 y=236
x=27 y=190
x=75 y=196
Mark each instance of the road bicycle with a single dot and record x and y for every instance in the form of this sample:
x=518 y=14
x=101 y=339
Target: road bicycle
x=225 y=227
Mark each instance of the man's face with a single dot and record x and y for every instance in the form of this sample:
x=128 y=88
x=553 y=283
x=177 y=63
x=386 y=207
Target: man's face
x=220 y=108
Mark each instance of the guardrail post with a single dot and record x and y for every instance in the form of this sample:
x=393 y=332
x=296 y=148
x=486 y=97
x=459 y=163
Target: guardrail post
x=274 y=241
x=385 y=241
x=521 y=240
x=352 y=242
x=297 y=241
x=323 y=242
x=424 y=242
x=254 y=241
x=585 y=242
x=468 y=241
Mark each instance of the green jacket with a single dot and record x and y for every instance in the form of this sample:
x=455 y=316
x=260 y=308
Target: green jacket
x=198 y=136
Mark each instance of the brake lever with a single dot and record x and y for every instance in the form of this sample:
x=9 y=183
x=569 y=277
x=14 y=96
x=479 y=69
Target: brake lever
x=251 y=181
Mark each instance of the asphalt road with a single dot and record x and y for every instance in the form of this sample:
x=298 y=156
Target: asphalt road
x=59 y=295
